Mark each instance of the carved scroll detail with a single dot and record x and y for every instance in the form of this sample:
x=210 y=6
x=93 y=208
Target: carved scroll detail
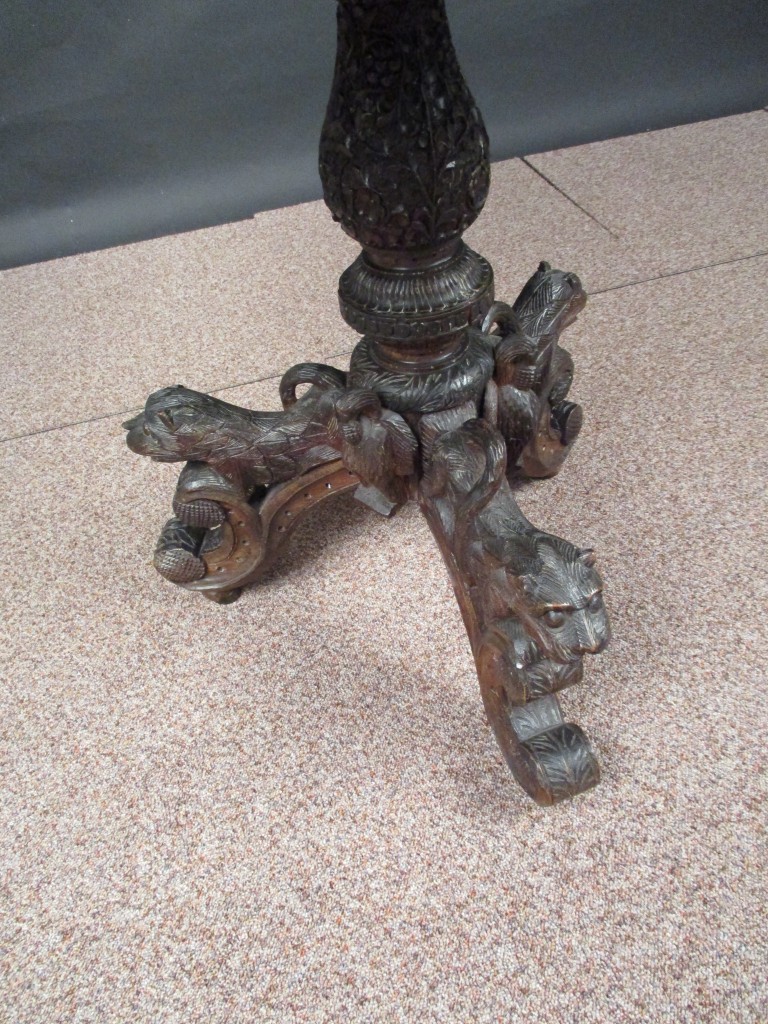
x=219 y=560
x=532 y=605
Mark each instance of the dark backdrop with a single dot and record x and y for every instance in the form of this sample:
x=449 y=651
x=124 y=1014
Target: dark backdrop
x=127 y=119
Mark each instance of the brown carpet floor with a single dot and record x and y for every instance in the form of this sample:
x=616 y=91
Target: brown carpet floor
x=291 y=809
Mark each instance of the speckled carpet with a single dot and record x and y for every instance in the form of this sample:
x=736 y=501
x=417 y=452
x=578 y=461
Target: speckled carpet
x=291 y=809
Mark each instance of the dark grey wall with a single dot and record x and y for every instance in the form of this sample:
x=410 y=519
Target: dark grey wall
x=122 y=119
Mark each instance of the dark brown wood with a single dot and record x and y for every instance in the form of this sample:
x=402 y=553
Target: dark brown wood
x=531 y=602
x=248 y=533
x=449 y=396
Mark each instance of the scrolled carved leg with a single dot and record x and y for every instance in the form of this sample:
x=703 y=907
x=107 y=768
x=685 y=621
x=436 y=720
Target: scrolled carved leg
x=218 y=559
x=251 y=476
x=532 y=605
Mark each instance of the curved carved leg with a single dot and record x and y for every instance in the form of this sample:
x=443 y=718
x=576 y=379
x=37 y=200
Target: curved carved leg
x=220 y=540
x=250 y=476
x=531 y=603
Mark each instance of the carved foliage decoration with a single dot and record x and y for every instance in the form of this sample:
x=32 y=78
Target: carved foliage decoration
x=404 y=152
x=398 y=305
x=375 y=443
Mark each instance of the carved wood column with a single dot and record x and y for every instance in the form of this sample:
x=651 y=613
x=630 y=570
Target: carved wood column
x=404 y=166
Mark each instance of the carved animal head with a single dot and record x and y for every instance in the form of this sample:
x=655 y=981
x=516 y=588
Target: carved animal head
x=178 y=425
x=550 y=301
x=561 y=602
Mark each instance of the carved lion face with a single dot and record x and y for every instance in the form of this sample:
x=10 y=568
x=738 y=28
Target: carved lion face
x=564 y=607
x=173 y=426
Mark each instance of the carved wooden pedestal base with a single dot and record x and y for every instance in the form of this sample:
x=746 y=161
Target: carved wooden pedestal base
x=449 y=396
